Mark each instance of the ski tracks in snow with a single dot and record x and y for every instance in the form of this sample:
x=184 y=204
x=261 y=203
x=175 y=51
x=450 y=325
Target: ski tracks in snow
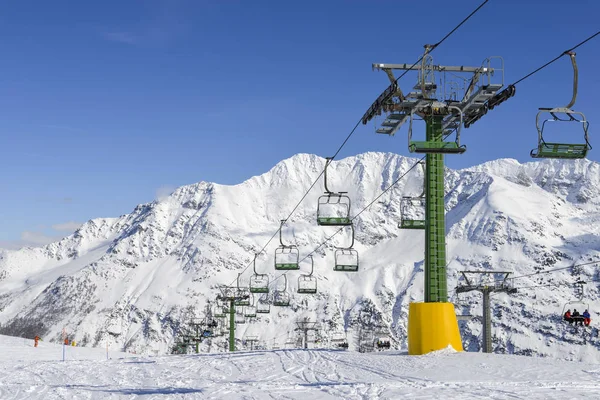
x=301 y=374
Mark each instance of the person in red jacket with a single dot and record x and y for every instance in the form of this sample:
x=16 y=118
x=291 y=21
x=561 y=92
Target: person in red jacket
x=567 y=317
x=35 y=341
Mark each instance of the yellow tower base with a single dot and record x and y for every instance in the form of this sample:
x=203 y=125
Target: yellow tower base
x=432 y=326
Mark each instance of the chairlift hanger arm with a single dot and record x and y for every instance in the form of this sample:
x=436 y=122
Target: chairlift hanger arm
x=280 y=234
x=575 y=78
x=440 y=68
x=329 y=159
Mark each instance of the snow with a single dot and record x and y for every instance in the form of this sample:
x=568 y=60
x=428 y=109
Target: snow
x=38 y=373
x=136 y=281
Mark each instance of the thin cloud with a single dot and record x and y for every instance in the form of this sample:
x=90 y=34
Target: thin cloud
x=70 y=226
x=122 y=37
x=159 y=24
x=164 y=191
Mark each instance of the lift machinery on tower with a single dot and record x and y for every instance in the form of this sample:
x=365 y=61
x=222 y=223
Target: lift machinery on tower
x=446 y=109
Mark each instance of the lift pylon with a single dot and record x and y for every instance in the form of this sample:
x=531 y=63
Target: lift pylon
x=486 y=288
x=231 y=295
x=446 y=109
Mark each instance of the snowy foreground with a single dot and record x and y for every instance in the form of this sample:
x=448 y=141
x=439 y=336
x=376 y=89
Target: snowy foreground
x=39 y=373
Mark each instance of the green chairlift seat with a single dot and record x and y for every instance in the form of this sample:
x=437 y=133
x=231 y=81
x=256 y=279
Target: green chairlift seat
x=346 y=258
x=436 y=147
x=307 y=284
x=561 y=150
x=453 y=123
x=287 y=257
x=263 y=306
x=563 y=114
x=333 y=208
x=250 y=311
x=412 y=212
x=259 y=283
x=242 y=296
x=281 y=298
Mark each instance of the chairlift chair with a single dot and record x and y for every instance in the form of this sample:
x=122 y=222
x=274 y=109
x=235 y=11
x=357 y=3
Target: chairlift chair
x=240 y=318
x=412 y=213
x=218 y=310
x=346 y=258
x=412 y=209
x=259 y=283
x=263 y=306
x=579 y=303
x=281 y=298
x=307 y=284
x=454 y=123
x=562 y=114
x=333 y=208
x=242 y=297
x=287 y=257
x=250 y=311
x=338 y=339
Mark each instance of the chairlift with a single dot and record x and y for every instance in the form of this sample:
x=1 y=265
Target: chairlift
x=383 y=338
x=412 y=209
x=240 y=318
x=453 y=124
x=458 y=307
x=250 y=311
x=307 y=284
x=346 y=258
x=263 y=306
x=218 y=309
x=338 y=339
x=579 y=303
x=333 y=208
x=281 y=298
x=242 y=297
x=562 y=114
x=286 y=256
x=259 y=283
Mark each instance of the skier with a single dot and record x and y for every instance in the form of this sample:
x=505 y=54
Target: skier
x=36 y=340
x=586 y=318
x=577 y=317
x=567 y=317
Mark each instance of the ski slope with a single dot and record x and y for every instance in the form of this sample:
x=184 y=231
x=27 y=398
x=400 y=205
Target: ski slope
x=38 y=373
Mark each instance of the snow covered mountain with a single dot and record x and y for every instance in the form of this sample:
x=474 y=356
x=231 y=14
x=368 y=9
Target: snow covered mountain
x=134 y=281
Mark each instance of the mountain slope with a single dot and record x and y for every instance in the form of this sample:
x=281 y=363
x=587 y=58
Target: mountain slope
x=134 y=280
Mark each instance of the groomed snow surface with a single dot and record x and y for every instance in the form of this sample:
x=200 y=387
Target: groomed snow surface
x=39 y=373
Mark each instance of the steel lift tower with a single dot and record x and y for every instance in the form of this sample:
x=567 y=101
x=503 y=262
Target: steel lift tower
x=446 y=98
x=486 y=288
x=233 y=296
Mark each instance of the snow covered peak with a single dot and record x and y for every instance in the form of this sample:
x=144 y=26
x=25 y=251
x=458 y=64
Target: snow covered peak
x=137 y=278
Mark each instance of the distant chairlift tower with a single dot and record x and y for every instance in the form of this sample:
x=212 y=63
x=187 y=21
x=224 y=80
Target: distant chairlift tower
x=486 y=288
x=432 y=325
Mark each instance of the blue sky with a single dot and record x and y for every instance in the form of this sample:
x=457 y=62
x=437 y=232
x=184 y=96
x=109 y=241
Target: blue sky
x=109 y=104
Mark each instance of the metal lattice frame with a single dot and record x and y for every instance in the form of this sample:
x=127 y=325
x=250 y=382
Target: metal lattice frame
x=501 y=285
x=445 y=113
